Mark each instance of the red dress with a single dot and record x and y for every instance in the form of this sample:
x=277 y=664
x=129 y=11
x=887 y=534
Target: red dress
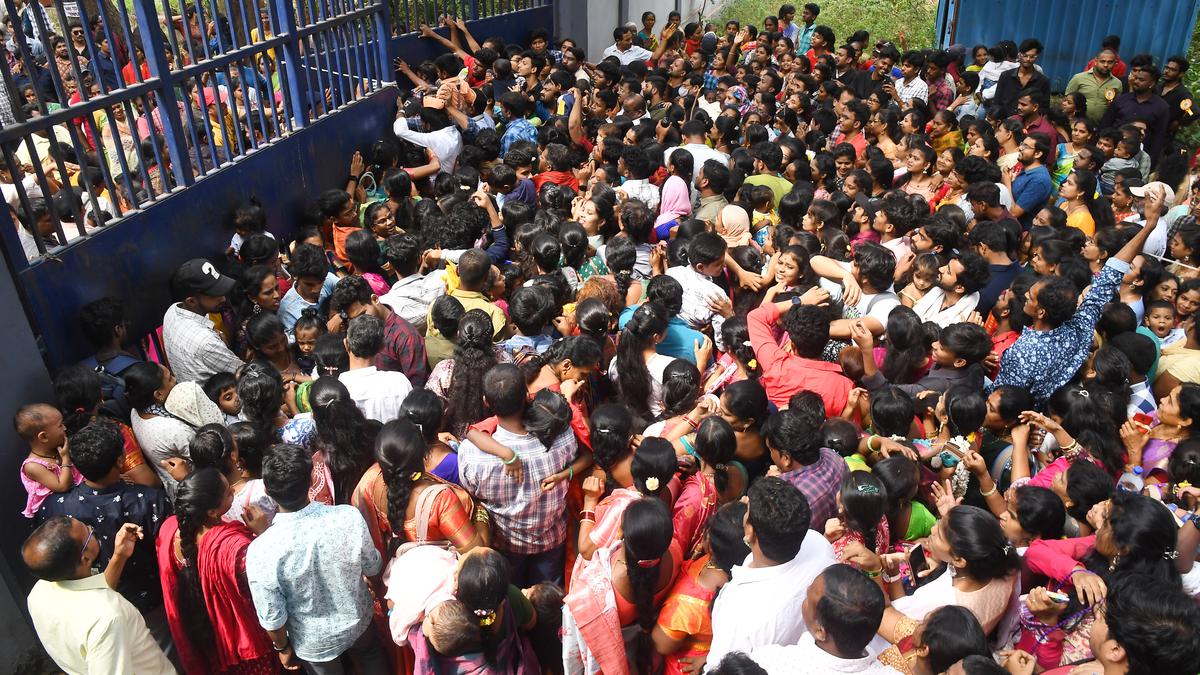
x=241 y=647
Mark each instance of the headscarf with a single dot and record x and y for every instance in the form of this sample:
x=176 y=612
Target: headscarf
x=742 y=98
x=676 y=202
x=735 y=226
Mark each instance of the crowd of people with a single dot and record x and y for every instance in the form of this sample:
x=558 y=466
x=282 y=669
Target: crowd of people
x=742 y=350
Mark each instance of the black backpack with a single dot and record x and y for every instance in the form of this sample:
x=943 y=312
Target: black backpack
x=112 y=385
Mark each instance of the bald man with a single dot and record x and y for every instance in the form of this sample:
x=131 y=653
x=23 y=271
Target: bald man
x=85 y=625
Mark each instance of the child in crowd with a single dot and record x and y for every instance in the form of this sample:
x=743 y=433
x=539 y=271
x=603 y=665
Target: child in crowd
x=308 y=328
x=48 y=467
x=765 y=217
x=1123 y=158
x=924 y=277
x=862 y=508
x=221 y=389
x=1160 y=319
x=248 y=219
x=451 y=628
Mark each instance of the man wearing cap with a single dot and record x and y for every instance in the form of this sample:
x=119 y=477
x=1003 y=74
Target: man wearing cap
x=194 y=348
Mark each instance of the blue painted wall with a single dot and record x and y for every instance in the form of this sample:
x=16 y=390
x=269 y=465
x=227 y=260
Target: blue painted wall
x=1071 y=30
x=514 y=27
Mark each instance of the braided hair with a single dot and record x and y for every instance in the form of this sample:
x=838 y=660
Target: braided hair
x=199 y=493
x=647 y=530
x=400 y=450
x=473 y=357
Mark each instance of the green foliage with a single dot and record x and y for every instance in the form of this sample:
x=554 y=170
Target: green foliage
x=882 y=18
x=1190 y=135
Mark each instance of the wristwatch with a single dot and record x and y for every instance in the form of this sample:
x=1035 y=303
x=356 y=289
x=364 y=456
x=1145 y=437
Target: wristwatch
x=796 y=299
x=286 y=643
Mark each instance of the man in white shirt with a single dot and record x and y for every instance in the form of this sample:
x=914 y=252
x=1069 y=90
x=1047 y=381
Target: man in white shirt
x=85 y=625
x=442 y=136
x=842 y=611
x=413 y=293
x=762 y=603
x=194 y=348
x=867 y=282
x=694 y=131
x=377 y=393
x=624 y=49
x=703 y=301
x=957 y=291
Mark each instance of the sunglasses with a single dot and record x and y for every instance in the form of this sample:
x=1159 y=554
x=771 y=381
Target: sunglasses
x=91 y=533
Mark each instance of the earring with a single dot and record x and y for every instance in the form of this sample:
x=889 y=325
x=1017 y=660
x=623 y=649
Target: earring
x=1112 y=564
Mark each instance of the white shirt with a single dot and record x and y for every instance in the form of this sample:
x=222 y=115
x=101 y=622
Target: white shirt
x=644 y=190
x=806 y=657
x=411 y=297
x=877 y=305
x=377 y=393
x=700 y=154
x=446 y=143
x=657 y=364
x=162 y=438
x=929 y=307
x=761 y=605
x=906 y=92
x=634 y=53
x=697 y=291
x=87 y=627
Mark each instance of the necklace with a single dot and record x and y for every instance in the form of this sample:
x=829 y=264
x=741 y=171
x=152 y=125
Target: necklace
x=52 y=458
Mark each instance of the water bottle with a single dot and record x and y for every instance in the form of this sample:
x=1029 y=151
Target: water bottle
x=1131 y=481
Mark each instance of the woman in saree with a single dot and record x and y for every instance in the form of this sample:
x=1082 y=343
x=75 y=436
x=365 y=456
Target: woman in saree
x=684 y=629
x=202 y=567
x=402 y=502
x=613 y=604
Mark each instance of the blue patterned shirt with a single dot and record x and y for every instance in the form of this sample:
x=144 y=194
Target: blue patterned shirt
x=306 y=572
x=519 y=129
x=1042 y=361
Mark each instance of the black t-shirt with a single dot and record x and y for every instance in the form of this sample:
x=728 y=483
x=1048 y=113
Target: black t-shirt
x=1002 y=278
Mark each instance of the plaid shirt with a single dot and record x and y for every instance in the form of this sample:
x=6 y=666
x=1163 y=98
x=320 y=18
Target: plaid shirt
x=194 y=348
x=528 y=520
x=710 y=80
x=820 y=482
x=940 y=95
x=403 y=350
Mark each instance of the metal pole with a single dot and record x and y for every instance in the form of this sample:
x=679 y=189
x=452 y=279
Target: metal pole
x=168 y=104
x=285 y=24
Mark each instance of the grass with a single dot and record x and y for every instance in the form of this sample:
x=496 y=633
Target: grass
x=882 y=18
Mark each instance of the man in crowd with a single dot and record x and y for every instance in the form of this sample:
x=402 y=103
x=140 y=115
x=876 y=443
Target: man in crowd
x=1098 y=85
x=1141 y=104
x=196 y=350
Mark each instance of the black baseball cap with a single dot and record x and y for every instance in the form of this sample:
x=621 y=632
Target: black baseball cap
x=200 y=277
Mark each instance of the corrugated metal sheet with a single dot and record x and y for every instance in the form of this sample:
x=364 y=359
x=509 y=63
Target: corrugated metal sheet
x=1071 y=30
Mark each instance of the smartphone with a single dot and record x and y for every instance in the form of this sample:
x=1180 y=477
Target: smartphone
x=1060 y=598
x=917 y=563
x=1143 y=419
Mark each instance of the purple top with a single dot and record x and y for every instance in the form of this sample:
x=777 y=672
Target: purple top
x=447 y=469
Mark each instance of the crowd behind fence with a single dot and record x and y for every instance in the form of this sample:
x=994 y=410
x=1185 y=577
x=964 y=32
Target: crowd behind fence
x=106 y=112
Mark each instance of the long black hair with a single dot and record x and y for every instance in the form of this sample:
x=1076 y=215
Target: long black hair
x=1084 y=416
x=647 y=530
x=680 y=389
x=633 y=377
x=611 y=427
x=473 y=357
x=426 y=410
x=260 y=389
x=483 y=587
x=864 y=503
x=400 y=450
x=716 y=444
x=581 y=350
x=907 y=347
x=547 y=416
x=1144 y=534
x=212 y=446
x=344 y=433
x=976 y=536
x=201 y=492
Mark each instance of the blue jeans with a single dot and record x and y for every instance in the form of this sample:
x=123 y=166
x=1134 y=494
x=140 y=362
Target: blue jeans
x=533 y=568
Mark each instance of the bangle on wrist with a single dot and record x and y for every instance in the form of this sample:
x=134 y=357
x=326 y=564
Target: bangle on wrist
x=870 y=438
x=570 y=472
x=509 y=461
x=691 y=422
x=286 y=643
x=988 y=493
x=872 y=575
x=889 y=579
x=587 y=515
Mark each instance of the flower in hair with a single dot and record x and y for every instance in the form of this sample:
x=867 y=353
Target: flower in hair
x=652 y=483
x=487 y=617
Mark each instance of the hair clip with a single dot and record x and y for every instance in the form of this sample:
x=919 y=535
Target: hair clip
x=1170 y=554
x=651 y=562
x=745 y=343
x=867 y=489
x=1007 y=549
x=652 y=483
x=487 y=617
x=416 y=476
x=1084 y=393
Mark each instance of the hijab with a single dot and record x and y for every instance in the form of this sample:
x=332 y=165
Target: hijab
x=676 y=201
x=735 y=226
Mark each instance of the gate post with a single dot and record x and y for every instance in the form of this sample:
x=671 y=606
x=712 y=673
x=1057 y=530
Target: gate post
x=294 y=72
x=155 y=50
